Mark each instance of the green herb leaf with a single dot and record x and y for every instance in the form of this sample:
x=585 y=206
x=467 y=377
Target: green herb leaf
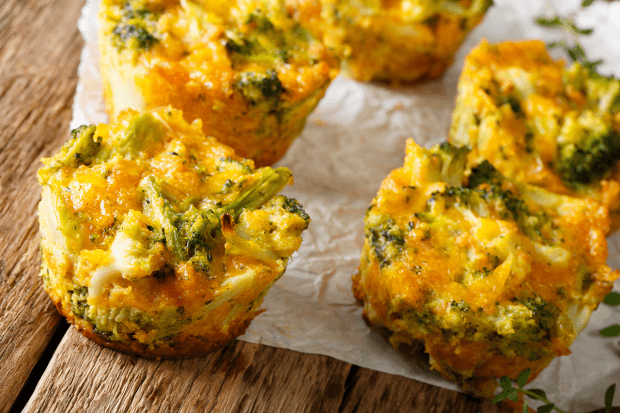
x=554 y=22
x=609 y=397
x=505 y=383
x=557 y=22
x=611 y=331
x=546 y=408
x=586 y=3
x=512 y=395
x=571 y=26
x=499 y=397
x=540 y=393
x=576 y=53
x=523 y=376
x=591 y=65
x=613 y=298
x=525 y=409
x=557 y=44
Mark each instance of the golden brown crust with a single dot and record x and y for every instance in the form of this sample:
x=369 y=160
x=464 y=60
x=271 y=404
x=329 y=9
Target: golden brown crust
x=188 y=346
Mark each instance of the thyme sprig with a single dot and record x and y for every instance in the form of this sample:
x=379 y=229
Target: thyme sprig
x=512 y=393
x=574 y=51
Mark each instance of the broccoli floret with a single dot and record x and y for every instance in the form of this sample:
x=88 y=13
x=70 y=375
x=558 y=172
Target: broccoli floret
x=589 y=147
x=587 y=161
x=81 y=149
x=545 y=316
x=79 y=303
x=294 y=207
x=190 y=234
x=488 y=181
x=235 y=43
x=83 y=146
x=602 y=93
x=483 y=173
x=230 y=164
x=260 y=23
x=486 y=187
x=260 y=87
x=386 y=241
x=136 y=29
x=263 y=41
x=247 y=46
x=453 y=162
x=143 y=132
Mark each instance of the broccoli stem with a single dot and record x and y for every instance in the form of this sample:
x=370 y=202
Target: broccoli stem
x=184 y=231
x=159 y=209
x=270 y=182
x=81 y=149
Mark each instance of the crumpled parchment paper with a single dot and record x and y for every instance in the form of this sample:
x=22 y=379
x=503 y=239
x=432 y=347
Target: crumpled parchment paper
x=354 y=138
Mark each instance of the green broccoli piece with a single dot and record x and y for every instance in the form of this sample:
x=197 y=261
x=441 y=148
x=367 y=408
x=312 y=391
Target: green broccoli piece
x=484 y=173
x=81 y=149
x=602 y=93
x=191 y=233
x=237 y=44
x=160 y=211
x=260 y=87
x=266 y=43
x=137 y=28
x=589 y=146
x=545 y=316
x=453 y=159
x=79 y=301
x=294 y=207
x=586 y=161
x=487 y=185
x=143 y=131
x=387 y=241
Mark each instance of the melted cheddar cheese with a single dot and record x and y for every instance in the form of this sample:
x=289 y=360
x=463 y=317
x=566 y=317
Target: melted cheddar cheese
x=492 y=276
x=396 y=40
x=540 y=123
x=247 y=70
x=153 y=234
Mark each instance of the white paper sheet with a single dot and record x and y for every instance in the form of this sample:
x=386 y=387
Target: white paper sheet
x=352 y=141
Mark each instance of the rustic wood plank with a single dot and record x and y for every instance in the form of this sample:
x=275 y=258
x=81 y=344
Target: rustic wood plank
x=242 y=377
x=39 y=54
x=379 y=392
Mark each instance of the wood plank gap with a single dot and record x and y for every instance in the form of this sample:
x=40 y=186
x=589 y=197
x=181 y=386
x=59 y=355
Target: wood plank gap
x=38 y=370
x=349 y=384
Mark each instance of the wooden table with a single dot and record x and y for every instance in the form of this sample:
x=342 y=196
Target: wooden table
x=47 y=367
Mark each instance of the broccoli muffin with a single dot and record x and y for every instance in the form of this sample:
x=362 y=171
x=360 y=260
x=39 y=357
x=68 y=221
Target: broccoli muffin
x=396 y=41
x=492 y=276
x=159 y=241
x=245 y=68
x=540 y=123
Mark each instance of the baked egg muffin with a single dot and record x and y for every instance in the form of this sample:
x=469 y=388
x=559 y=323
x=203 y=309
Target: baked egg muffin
x=244 y=67
x=159 y=241
x=394 y=41
x=491 y=275
x=540 y=123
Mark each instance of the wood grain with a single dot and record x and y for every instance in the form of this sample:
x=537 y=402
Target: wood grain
x=39 y=54
x=243 y=377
